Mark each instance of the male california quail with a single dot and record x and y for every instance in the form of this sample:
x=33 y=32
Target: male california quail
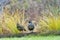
x=30 y=26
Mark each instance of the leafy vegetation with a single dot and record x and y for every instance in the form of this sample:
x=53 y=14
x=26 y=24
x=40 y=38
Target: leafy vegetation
x=51 y=37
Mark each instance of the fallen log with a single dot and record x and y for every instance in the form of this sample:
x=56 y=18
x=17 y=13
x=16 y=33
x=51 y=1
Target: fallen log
x=16 y=35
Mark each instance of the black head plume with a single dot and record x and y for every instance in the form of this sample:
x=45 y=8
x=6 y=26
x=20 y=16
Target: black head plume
x=30 y=21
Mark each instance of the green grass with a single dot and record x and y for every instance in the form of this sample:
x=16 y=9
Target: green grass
x=51 y=37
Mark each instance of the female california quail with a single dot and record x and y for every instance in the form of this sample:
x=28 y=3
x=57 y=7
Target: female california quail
x=20 y=27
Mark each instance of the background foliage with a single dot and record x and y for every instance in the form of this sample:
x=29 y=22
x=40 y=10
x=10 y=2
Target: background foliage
x=46 y=15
